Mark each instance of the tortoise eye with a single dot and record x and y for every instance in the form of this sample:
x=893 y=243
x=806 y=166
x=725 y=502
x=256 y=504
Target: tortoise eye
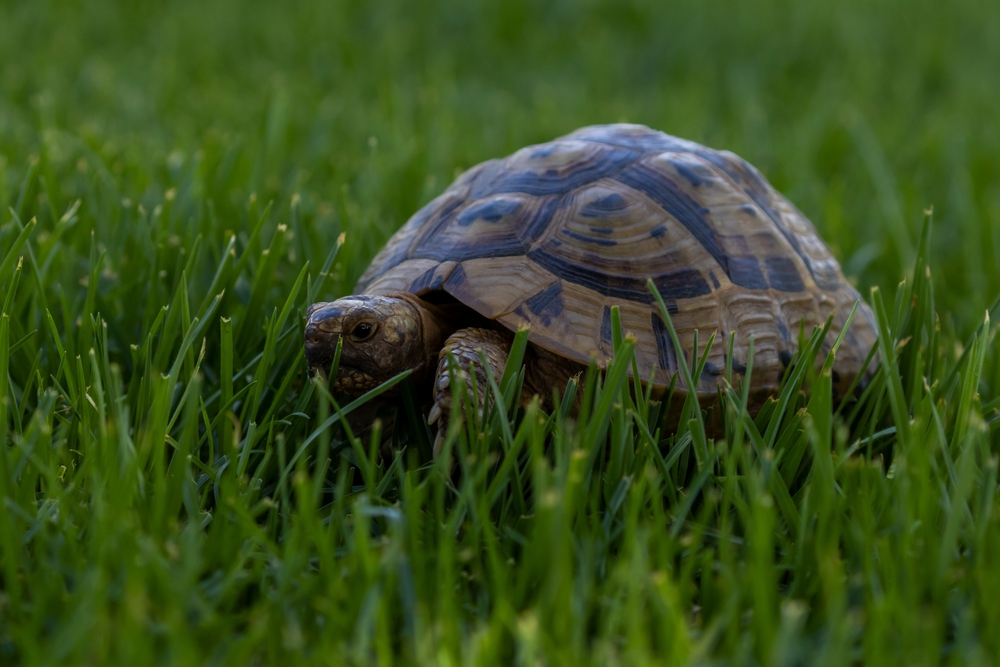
x=362 y=331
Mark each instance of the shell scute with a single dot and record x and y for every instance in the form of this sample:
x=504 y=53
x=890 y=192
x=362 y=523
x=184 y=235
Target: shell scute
x=677 y=204
x=464 y=233
x=495 y=286
x=431 y=279
x=574 y=332
x=561 y=167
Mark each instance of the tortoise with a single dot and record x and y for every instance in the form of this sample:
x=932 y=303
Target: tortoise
x=554 y=235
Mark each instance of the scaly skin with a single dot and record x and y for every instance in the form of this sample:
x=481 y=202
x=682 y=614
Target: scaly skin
x=464 y=346
x=403 y=333
x=544 y=371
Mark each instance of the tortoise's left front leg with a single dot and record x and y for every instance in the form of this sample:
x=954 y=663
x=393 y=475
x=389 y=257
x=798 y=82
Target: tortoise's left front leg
x=465 y=345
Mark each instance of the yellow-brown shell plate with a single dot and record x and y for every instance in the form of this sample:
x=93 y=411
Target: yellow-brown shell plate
x=555 y=234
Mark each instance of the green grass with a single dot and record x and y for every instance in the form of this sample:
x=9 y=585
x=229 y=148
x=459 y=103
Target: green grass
x=174 y=178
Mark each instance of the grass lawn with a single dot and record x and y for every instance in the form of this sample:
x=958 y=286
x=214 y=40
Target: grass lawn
x=180 y=180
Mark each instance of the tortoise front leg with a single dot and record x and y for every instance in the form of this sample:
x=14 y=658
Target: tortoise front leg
x=465 y=345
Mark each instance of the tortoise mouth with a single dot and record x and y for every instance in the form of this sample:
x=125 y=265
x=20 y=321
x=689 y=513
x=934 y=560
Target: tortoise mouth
x=319 y=353
x=349 y=380
x=319 y=359
x=322 y=372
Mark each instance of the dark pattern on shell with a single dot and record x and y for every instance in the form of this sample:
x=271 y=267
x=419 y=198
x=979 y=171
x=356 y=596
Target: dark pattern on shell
x=606 y=338
x=590 y=239
x=455 y=280
x=711 y=372
x=677 y=203
x=690 y=171
x=550 y=181
x=666 y=355
x=745 y=272
x=680 y=283
x=757 y=190
x=783 y=275
x=739 y=367
x=490 y=211
x=428 y=281
x=509 y=240
x=605 y=206
x=783 y=330
x=547 y=305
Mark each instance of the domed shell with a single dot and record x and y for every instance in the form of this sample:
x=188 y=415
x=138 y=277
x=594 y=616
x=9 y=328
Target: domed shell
x=556 y=234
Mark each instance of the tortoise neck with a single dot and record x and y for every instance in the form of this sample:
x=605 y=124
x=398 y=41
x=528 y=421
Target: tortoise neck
x=435 y=327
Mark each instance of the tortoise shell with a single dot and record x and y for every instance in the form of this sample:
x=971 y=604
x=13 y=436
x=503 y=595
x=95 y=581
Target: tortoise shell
x=556 y=234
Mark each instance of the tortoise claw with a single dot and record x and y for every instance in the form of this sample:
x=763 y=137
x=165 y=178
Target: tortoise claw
x=434 y=414
x=438 y=442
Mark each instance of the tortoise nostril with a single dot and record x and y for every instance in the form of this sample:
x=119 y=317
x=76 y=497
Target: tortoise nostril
x=313 y=335
x=315 y=338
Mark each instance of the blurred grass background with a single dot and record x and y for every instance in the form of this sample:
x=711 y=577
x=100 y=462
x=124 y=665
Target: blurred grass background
x=173 y=124
x=863 y=113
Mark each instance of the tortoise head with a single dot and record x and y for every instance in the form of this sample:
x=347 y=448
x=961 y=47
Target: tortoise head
x=383 y=336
